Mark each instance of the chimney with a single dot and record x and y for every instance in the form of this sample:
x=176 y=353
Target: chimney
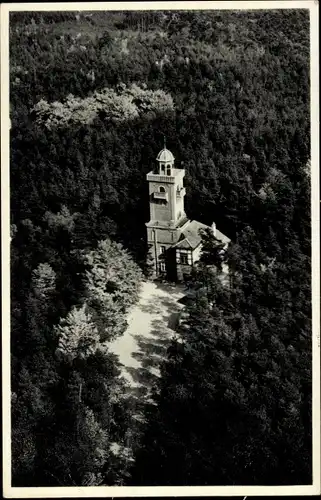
x=214 y=229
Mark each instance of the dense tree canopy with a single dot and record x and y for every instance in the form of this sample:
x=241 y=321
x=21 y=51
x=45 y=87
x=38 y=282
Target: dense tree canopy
x=230 y=90
x=234 y=403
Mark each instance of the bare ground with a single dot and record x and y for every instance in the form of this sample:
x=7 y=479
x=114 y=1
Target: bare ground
x=151 y=325
x=142 y=348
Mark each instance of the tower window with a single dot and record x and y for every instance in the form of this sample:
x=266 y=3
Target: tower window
x=161 y=189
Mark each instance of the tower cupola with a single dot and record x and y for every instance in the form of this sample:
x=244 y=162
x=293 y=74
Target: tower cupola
x=165 y=162
x=165 y=155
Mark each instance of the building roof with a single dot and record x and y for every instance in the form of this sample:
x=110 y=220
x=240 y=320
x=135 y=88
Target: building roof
x=192 y=233
x=165 y=155
x=220 y=236
x=184 y=244
x=191 y=237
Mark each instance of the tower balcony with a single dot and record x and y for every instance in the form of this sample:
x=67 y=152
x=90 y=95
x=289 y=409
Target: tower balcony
x=160 y=196
x=181 y=193
x=168 y=179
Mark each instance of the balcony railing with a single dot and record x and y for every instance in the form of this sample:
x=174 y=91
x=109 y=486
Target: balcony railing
x=151 y=177
x=160 y=196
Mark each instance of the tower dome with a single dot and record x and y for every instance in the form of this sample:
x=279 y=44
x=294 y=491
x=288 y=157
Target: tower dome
x=166 y=156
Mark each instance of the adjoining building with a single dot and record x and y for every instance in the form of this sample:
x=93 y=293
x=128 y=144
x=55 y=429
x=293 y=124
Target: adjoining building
x=174 y=241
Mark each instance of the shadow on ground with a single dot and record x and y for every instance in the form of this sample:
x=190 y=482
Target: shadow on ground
x=156 y=306
x=151 y=328
x=169 y=288
x=151 y=351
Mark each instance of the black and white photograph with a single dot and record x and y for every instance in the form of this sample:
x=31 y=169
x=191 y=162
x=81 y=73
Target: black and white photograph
x=162 y=292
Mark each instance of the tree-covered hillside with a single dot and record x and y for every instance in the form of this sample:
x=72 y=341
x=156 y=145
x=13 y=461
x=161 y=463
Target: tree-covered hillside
x=92 y=94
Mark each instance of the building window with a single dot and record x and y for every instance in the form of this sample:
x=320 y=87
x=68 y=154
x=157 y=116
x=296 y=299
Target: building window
x=161 y=189
x=162 y=267
x=184 y=258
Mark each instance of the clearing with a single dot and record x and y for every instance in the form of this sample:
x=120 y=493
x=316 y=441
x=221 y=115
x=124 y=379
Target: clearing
x=143 y=346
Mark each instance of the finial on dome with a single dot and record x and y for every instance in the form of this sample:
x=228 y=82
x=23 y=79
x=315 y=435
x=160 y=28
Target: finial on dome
x=164 y=141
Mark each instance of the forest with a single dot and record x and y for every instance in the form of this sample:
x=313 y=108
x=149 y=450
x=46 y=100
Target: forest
x=91 y=96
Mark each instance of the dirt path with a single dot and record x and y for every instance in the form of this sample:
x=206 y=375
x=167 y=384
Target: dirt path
x=140 y=350
x=150 y=327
